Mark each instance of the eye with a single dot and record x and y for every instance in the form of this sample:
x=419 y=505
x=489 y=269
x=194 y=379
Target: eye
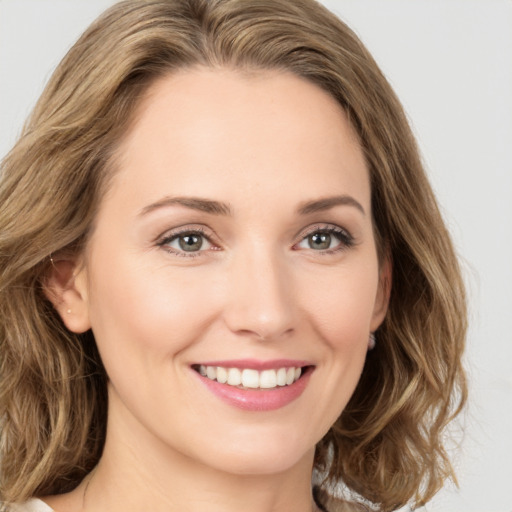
x=326 y=239
x=321 y=241
x=191 y=241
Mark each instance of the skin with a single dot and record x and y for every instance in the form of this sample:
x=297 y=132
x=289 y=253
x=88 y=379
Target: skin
x=258 y=288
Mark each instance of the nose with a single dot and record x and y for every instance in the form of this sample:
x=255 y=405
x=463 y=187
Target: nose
x=260 y=297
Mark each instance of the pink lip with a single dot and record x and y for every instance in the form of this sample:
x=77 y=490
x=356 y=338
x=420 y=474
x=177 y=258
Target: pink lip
x=255 y=364
x=257 y=399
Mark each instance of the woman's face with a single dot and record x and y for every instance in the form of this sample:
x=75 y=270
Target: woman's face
x=235 y=241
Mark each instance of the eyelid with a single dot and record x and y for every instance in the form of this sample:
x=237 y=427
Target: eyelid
x=345 y=237
x=174 y=233
x=322 y=226
x=347 y=240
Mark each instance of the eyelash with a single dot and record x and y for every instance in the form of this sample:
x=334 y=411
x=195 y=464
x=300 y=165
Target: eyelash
x=167 y=239
x=345 y=238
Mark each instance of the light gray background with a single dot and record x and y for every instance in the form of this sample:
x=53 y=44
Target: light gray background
x=450 y=62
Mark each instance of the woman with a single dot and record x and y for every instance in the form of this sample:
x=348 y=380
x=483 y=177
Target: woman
x=223 y=271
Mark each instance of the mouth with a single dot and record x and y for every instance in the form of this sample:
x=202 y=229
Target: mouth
x=252 y=379
x=253 y=385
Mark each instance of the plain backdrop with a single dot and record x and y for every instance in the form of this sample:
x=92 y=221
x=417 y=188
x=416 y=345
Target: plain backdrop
x=450 y=62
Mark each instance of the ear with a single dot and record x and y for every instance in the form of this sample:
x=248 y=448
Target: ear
x=383 y=294
x=65 y=287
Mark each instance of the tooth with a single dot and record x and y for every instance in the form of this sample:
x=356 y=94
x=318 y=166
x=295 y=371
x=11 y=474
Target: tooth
x=234 y=377
x=281 y=377
x=222 y=375
x=250 y=378
x=211 y=372
x=268 y=379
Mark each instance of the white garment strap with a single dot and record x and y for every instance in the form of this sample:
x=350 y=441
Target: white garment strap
x=33 y=505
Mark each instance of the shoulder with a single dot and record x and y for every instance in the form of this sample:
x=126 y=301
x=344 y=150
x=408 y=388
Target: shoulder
x=33 y=505
x=329 y=503
x=336 y=505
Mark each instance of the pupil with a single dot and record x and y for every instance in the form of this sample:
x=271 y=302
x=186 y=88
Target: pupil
x=320 y=240
x=190 y=242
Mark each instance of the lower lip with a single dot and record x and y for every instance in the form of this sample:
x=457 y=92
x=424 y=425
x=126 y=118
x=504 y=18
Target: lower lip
x=258 y=399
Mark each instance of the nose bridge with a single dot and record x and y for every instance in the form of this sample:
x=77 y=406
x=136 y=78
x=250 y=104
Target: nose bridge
x=260 y=289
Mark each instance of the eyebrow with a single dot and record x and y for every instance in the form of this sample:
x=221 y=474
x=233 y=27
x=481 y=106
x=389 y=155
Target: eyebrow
x=326 y=203
x=194 y=203
x=220 y=208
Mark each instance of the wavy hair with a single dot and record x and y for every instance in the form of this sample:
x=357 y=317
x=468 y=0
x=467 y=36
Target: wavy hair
x=387 y=445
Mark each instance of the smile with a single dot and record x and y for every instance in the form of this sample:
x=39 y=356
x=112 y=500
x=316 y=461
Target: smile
x=254 y=385
x=248 y=378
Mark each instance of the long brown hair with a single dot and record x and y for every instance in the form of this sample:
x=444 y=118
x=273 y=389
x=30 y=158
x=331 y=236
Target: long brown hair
x=387 y=444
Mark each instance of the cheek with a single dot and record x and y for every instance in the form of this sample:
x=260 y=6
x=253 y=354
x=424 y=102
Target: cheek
x=341 y=304
x=146 y=312
x=339 y=307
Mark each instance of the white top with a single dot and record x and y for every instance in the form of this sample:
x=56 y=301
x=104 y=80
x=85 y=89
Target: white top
x=33 y=505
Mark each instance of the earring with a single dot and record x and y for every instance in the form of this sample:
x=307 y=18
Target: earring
x=68 y=311
x=371 y=341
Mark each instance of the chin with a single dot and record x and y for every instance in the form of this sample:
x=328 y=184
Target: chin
x=260 y=456
x=261 y=465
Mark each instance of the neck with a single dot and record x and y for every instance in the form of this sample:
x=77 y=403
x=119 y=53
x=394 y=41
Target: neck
x=139 y=472
x=182 y=484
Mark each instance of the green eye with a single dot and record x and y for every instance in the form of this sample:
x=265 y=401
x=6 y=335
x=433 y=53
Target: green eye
x=320 y=241
x=190 y=242
x=327 y=239
x=186 y=242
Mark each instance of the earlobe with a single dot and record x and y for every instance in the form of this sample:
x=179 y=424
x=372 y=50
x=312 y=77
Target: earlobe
x=65 y=287
x=383 y=294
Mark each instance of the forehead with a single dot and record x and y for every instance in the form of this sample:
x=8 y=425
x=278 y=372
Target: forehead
x=201 y=130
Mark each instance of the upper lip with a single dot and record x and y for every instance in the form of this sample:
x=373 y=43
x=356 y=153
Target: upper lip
x=255 y=364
